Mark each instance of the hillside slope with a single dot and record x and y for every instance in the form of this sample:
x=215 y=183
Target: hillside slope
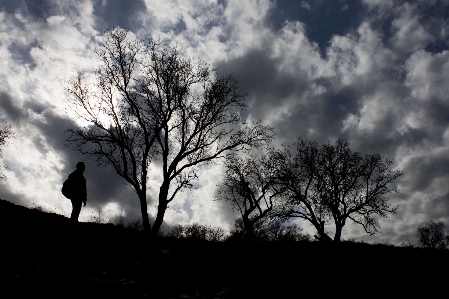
x=43 y=254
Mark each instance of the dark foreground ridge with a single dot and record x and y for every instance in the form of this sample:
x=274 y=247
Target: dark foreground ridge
x=43 y=255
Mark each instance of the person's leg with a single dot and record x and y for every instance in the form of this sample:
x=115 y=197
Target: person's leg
x=76 y=209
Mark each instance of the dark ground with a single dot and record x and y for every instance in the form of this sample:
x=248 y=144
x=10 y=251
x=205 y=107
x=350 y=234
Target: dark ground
x=43 y=255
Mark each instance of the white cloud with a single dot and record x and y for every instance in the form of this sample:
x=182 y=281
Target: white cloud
x=409 y=34
x=427 y=75
x=305 y=5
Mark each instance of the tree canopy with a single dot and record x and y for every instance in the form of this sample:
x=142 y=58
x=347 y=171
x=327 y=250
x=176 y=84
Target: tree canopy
x=332 y=183
x=148 y=102
x=251 y=186
x=431 y=235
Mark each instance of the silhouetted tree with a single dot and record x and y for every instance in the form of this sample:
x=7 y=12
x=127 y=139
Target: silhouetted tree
x=5 y=134
x=332 y=183
x=251 y=187
x=431 y=235
x=148 y=102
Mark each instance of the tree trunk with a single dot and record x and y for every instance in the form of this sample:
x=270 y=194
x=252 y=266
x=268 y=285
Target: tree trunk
x=250 y=233
x=339 y=224
x=144 y=211
x=338 y=229
x=249 y=228
x=322 y=236
x=162 y=207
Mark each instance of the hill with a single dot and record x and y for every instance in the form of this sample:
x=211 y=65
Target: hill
x=42 y=254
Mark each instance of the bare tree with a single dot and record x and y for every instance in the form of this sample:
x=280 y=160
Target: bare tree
x=431 y=235
x=332 y=183
x=249 y=184
x=5 y=134
x=149 y=102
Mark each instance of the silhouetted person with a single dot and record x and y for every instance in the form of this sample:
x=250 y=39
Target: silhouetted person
x=79 y=191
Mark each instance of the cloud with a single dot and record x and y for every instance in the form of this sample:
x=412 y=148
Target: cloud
x=409 y=35
x=7 y=105
x=305 y=5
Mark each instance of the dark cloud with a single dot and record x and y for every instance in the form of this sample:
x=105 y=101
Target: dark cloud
x=432 y=16
x=430 y=167
x=21 y=54
x=438 y=208
x=259 y=76
x=178 y=27
x=35 y=106
x=323 y=19
x=35 y=9
x=12 y=111
x=317 y=117
x=117 y=13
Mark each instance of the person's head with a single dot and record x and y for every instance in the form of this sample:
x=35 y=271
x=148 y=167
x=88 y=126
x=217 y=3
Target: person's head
x=80 y=166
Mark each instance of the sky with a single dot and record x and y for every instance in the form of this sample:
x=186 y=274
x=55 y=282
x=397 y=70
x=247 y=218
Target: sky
x=375 y=73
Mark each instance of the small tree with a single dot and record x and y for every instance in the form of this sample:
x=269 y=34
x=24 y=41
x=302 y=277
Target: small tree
x=5 y=134
x=149 y=102
x=431 y=235
x=250 y=186
x=332 y=183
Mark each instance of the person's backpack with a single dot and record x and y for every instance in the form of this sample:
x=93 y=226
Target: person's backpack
x=67 y=188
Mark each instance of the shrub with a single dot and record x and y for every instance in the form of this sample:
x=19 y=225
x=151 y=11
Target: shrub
x=431 y=235
x=136 y=224
x=270 y=230
x=215 y=234
x=95 y=219
x=407 y=244
x=350 y=240
x=42 y=209
x=119 y=220
x=176 y=231
x=198 y=232
x=195 y=231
